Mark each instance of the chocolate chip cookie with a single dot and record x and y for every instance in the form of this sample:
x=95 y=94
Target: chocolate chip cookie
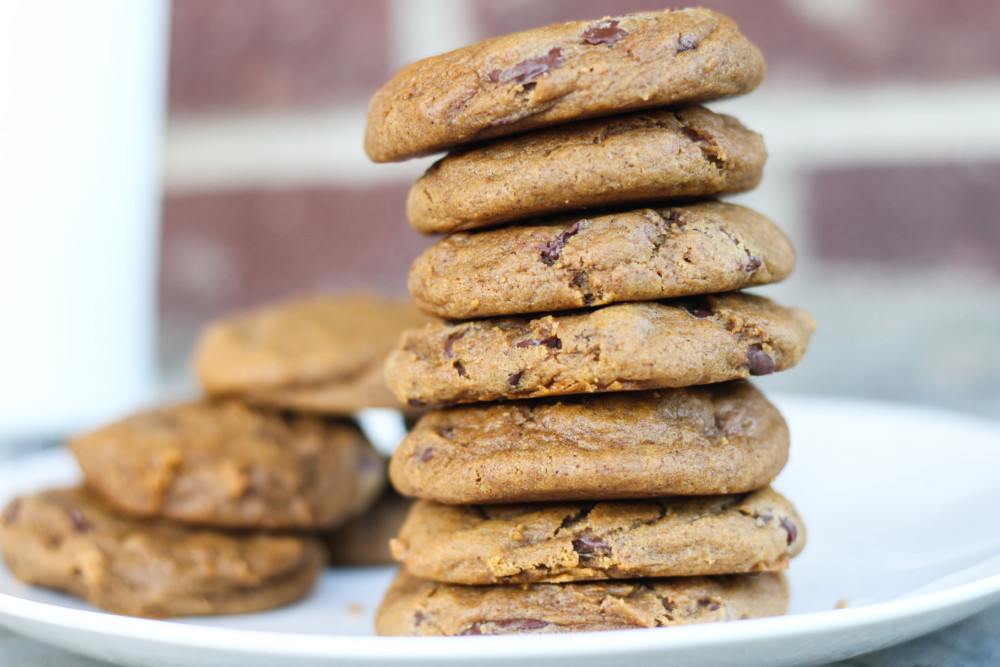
x=640 y=157
x=226 y=464
x=417 y=607
x=70 y=540
x=364 y=540
x=319 y=354
x=560 y=73
x=573 y=262
x=712 y=439
x=624 y=539
x=623 y=346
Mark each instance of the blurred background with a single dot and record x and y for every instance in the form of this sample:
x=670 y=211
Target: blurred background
x=882 y=119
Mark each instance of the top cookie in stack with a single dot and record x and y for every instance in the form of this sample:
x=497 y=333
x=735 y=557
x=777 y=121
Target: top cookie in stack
x=557 y=74
x=629 y=283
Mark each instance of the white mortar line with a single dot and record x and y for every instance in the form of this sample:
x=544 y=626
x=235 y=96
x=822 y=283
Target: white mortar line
x=878 y=124
x=292 y=148
x=423 y=28
x=817 y=126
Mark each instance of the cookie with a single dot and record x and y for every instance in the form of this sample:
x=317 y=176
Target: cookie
x=560 y=73
x=364 y=540
x=320 y=354
x=639 y=255
x=708 y=440
x=70 y=540
x=226 y=464
x=413 y=606
x=623 y=346
x=613 y=539
x=641 y=157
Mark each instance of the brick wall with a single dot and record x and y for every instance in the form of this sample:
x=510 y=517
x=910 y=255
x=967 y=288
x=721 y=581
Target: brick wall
x=880 y=117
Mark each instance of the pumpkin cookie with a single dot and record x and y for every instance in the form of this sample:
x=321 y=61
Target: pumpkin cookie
x=559 y=542
x=364 y=540
x=226 y=464
x=641 y=157
x=624 y=346
x=320 y=354
x=639 y=255
x=70 y=540
x=560 y=73
x=417 y=607
x=712 y=439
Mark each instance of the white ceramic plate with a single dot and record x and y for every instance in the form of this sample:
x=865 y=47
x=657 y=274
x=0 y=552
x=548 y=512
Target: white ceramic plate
x=900 y=504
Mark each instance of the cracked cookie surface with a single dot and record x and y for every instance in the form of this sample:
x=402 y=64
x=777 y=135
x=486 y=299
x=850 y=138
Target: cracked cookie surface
x=560 y=73
x=223 y=463
x=713 y=439
x=559 y=542
x=320 y=354
x=623 y=346
x=640 y=157
x=70 y=540
x=417 y=607
x=639 y=255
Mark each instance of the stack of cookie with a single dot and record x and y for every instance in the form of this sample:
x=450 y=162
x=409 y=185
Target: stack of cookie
x=630 y=489
x=219 y=505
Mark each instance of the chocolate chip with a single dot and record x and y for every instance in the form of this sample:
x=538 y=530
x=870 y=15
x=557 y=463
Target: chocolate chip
x=550 y=251
x=759 y=361
x=581 y=281
x=574 y=519
x=449 y=350
x=605 y=32
x=12 y=512
x=668 y=605
x=697 y=306
x=686 y=43
x=416 y=403
x=427 y=454
x=460 y=368
x=514 y=379
x=586 y=545
x=529 y=69
x=506 y=625
x=706 y=144
x=709 y=604
x=673 y=218
x=419 y=618
x=753 y=264
x=448 y=432
x=552 y=342
x=793 y=532
x=80 y=524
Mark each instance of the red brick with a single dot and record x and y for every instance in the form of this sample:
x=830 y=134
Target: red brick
x=929 y=216
x=270 y=54
x=226 y=250
x=921 y=39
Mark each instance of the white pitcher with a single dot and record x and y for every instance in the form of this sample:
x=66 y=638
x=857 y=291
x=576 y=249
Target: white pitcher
x=81 y=118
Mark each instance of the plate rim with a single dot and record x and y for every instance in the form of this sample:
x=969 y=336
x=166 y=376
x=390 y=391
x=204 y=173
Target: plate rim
x=237 y=641
x=266 y=642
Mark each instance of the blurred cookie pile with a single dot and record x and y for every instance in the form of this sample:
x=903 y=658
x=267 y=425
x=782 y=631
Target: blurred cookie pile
x=595 y=458
x=235 y=502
